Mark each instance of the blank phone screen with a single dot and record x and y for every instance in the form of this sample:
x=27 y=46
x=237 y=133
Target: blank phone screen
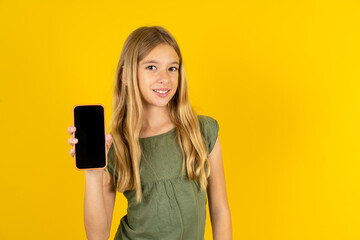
x=90 y=150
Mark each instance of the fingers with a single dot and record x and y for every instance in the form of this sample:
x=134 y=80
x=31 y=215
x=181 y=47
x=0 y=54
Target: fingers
x=72 y=141
x=71 y=130
x=72 y=152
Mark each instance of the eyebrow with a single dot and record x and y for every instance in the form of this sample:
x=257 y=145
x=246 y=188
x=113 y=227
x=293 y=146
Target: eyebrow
x=153 y=61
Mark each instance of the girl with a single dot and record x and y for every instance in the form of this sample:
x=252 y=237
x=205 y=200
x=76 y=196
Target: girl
x=162 y=156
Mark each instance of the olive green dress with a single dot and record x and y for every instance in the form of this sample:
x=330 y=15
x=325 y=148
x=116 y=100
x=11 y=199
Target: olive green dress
x=171 y=208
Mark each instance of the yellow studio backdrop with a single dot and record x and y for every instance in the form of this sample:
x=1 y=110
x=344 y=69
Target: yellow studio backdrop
x=281 y=78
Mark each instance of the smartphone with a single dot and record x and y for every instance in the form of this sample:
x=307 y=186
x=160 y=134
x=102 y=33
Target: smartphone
x=90 y=150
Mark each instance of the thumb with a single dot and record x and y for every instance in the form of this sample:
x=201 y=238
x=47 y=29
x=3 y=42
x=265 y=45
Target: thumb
x=108 y=139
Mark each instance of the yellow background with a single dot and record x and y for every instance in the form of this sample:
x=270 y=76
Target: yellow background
x=281 y=78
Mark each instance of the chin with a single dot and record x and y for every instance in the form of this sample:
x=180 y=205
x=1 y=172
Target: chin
x=162 y=104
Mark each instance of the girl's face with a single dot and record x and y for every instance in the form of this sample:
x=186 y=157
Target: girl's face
x=159 y=70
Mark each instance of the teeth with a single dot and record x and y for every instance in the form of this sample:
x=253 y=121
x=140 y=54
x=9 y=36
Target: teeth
x=160 y=91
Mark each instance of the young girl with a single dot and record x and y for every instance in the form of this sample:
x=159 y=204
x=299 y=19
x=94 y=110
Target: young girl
x=162 y=156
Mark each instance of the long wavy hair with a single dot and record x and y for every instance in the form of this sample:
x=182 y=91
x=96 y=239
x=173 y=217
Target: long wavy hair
x=127 y=118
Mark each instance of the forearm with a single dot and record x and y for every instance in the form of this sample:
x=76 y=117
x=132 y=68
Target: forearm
x=221 y=226
x=95 y=218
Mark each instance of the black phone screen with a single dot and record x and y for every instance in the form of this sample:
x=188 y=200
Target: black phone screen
x=90 y=150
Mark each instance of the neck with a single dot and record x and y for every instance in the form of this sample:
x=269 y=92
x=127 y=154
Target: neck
x=155 y=117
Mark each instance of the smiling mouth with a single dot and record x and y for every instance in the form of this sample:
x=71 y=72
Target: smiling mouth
x=161 y=92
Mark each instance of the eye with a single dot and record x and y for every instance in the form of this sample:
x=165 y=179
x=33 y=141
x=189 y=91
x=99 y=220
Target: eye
x=150 y=66
x=175 y=69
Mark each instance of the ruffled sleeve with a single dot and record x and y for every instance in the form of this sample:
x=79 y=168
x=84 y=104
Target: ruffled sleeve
x=209 y=128
x=111 y=161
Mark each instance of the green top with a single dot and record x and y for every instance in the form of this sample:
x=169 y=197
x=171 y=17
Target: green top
x=171 y=208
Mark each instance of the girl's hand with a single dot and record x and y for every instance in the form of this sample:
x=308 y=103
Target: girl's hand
x=72 y=141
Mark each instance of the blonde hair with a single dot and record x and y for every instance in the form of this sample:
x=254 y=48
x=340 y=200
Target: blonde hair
x=127 y=118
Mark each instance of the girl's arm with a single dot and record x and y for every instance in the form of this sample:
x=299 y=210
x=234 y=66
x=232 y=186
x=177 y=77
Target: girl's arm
x=109 y=197
x=217 y=197
x=96 y=221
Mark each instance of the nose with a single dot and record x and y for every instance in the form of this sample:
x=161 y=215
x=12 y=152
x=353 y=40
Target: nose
x=164 y=76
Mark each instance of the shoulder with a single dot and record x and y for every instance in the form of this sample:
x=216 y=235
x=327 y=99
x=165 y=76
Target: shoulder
x=111 y=160
x=209 y=127
x=203 y=119
x=208 y=123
